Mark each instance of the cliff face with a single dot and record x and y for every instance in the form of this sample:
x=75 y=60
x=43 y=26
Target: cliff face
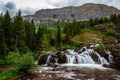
x=83 y=12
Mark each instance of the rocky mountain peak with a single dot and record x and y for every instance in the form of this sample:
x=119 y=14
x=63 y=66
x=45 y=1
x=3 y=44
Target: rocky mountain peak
x=84 y=12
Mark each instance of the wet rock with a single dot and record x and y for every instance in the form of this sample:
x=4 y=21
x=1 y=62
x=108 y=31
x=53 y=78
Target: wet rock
x=61 y=57
x=52 y=65
x=103 y=54
x=94 y=57
x=116 y=55
x=106 y=65
x=113 y=65
x=53 y=58
x=42 y=59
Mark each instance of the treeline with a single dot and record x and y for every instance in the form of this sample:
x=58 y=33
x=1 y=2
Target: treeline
x=14 y=33
x=73 y=28
x=17 y=34
x=114 y=18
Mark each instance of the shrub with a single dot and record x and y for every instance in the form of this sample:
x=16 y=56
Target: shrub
x=11 y=58
x=68 y=47
x=77 y=44
x=111 y=32
x=26 y=62
x=101 y=46
x=51 y=48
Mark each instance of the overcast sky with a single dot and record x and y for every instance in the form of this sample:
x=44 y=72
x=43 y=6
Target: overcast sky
x=30 y=6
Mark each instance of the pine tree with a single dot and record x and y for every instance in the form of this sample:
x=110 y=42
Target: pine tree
x=45 y=42
x=66 y=32
x=30 y=34
x=91 y=22
x=59 y=39
x=20 y=34
x=8 y=30
x=3 y=46
x=38 y=38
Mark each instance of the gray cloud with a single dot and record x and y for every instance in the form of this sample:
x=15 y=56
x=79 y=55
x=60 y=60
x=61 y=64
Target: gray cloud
x=10 y=5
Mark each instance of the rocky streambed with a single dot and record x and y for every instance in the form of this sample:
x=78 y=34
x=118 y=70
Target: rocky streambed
x=72 y=73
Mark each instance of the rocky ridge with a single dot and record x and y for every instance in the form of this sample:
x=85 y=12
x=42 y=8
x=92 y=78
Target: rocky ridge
x=84 y=12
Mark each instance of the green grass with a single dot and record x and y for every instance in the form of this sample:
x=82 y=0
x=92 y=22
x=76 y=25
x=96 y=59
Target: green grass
x=9 y=73
x=23 y=64
x=110 y=32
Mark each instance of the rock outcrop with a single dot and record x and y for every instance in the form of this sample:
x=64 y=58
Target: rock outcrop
x=55 y=57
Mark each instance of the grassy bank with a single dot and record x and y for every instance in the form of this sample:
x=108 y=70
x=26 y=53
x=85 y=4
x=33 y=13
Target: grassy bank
x=22 y=64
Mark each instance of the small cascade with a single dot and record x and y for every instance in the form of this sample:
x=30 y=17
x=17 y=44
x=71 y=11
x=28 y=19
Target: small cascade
x=36 y=62
x=48 y=60
x=71 y=56
x=84 y=57
x=101 y=60
x=110 y=57
x=56 y=60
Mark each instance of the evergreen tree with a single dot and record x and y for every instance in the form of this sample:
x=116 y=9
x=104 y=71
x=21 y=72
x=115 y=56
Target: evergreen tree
x=38 y=38
x=45 y=42
x=30 y=34
x=113 y=18
x=91 y=22
x=3 y=46
x=20 y=34
x=8 y=30
x=59 y=39
x=33 y=32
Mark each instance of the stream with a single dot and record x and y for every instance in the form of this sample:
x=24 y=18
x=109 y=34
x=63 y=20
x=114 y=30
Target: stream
x=86 y=64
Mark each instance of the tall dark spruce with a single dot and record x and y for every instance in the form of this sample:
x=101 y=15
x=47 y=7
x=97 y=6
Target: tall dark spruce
x=8 y=31
x=3 y=46
x=20 y=34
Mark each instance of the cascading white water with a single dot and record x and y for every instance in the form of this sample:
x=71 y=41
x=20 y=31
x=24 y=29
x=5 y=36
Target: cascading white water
x=56 y=60
x=84 y=57
x=48 y=60
x=110 y=56
x=101 y=60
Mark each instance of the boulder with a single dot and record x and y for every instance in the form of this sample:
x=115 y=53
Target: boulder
x=116 y=55
x=61 y=57
x=54 y=56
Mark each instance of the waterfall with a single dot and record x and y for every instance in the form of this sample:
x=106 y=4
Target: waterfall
x=84 y=57
x=71 y=56
x=110 y=57
x=101 y=60
x=48 y=60
x=56 y=60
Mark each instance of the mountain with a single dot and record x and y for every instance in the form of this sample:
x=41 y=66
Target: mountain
x=84 y=12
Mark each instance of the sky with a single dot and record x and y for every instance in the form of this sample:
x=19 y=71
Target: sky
x=29 y=7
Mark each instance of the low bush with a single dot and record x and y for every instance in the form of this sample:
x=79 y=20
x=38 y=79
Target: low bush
x=26 y=62
x=10 y=58
x=101 y=46
x=68 y=47
x=110 y=32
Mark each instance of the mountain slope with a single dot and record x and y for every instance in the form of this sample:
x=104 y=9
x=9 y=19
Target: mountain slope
x=83 y=12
